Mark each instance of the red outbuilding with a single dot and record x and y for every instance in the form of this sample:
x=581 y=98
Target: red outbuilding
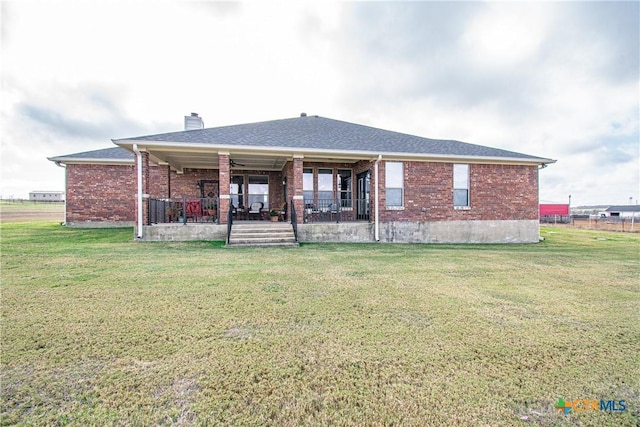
x=548 y=209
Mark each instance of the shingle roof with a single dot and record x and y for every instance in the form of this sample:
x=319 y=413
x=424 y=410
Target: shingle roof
x=314 y=132
x=107 y=154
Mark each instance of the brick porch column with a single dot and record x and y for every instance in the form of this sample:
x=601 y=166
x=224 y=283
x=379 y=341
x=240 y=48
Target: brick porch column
x=225 y=180
x=298 y=194
x=145 y=186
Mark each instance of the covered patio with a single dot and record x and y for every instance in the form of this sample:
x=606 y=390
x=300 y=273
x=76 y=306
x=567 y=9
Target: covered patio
x=203 y=185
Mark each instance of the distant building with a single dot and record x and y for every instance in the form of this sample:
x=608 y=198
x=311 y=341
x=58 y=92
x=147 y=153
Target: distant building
x=46 y=196
x=554 y=213
x=623 y=211
x=548 y=209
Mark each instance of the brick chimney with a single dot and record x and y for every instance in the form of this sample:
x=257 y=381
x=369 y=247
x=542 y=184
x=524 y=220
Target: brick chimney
x=193 y=122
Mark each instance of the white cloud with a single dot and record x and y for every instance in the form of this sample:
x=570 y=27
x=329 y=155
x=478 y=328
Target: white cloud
x=557 y=80
x=506 y=34
x=534 y=78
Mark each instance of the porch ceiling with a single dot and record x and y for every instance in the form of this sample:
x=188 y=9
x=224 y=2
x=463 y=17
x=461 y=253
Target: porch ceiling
x=209 y=160
x=180 y=160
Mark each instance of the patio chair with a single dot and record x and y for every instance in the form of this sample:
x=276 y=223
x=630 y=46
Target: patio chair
x=193 y=209
x=332 y=212
x=282 y=214
x=255 y=210
x=173 y=210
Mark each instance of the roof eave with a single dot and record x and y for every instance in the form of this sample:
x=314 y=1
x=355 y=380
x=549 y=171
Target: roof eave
x=94 y=161
x=350 y=154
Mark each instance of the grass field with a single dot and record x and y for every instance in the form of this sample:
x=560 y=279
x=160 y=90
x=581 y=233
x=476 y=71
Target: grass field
x=100 y=330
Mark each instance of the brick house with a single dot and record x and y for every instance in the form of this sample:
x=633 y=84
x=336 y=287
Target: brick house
x=334 y=180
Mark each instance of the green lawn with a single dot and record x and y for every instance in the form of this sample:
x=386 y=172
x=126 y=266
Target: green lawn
x=100 y=330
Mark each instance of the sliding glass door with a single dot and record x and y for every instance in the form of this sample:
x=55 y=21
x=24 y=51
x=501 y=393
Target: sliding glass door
x=258 y=190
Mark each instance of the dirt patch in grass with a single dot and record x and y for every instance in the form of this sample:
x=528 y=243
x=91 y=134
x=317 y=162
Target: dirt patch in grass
x=28 y=216
x=30 y=211
x=239 y=333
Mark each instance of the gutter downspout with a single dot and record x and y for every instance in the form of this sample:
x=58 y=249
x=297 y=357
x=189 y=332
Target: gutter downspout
x=59 y=164
x=377 y=215
x=139 y=157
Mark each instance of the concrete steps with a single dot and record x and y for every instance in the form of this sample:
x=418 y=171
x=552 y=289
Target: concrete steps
x=262 y=233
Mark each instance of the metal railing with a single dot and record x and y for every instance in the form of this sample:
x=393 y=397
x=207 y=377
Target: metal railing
x=555 y=219
x=184 y=210
x=294 y=219
x=336 y=210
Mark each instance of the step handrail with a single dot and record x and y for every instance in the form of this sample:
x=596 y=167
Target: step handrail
x=294 y=220
x=229 y=223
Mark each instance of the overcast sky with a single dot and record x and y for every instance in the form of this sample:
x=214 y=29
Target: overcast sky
x=556 y=80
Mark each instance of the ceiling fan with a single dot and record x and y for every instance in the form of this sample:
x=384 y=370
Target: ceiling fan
x=234 y=164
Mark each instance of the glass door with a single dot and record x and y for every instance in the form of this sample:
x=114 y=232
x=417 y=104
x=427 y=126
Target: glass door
x=259 y=191
x=236 y=191
x=362 y=195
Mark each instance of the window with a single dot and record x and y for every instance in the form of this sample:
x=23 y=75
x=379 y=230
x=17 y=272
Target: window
x=325 y=186
x=344 y=187
x=237 y=190
x=259 y=190
x=307 y=185
x=461 y=186
x=394 y=183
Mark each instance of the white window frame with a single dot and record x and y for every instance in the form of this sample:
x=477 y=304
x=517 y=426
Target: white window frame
x=391 y=183
x=461 y=183
x=308 y=186
x=345 y=197
x=326 y=196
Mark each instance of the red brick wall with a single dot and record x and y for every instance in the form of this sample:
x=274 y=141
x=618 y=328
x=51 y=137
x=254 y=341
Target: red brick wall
x=159 y=182
x=362 y=166
x=511 y=191
x=496 y=192
x=101 y=193
x=276 y=190
x=184 y=185
x=287 y=172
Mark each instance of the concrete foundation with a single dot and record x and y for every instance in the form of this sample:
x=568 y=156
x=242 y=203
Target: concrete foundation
x=509 y=231
x=326 y=232
x=512 y=231
x=184 y=233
